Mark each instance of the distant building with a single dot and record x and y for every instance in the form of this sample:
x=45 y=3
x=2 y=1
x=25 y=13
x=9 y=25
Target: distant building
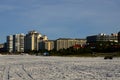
x=47 y=45
x=15 y=43
x=1 y=45
x=44 y=38
x=64 y=43
x=18 y=43
x=102 y=37
x=10 y=43
x=2 y=48
x=119 y=37
x=32 y=40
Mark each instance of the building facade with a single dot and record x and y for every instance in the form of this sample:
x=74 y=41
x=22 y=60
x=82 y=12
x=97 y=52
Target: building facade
x=32 y=40
x=1 y=45
x=102 y=37
x=119 y=37
x=47 y=45
x=10 y=43
x=15 y=43
x=18 y=43
x=64 y=43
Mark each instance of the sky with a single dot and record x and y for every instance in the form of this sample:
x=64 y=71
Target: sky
x=59 y=18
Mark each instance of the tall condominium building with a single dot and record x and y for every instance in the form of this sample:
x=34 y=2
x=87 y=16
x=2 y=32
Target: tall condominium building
x=18 y=43
x=32 y=40
x=119 y=37
x=64 y=43
x=102 y=37
x=10 y=43
x=15 y=43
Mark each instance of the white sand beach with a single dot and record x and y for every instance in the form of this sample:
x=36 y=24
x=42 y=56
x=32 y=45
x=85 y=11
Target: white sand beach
x=20 y=67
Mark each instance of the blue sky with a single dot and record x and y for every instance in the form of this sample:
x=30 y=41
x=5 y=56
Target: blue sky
x=59 y=18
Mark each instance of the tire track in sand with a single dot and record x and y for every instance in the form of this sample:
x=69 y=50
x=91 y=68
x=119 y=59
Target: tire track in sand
x=23 y=74
x=6 y=73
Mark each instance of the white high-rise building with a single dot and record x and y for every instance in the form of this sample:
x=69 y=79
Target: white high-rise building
x=18 y=43
x=10 y=43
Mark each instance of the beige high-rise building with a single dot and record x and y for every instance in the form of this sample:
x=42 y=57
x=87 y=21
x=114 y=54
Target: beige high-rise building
x=64 y=43
x=32 y=40
x=49 y=45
